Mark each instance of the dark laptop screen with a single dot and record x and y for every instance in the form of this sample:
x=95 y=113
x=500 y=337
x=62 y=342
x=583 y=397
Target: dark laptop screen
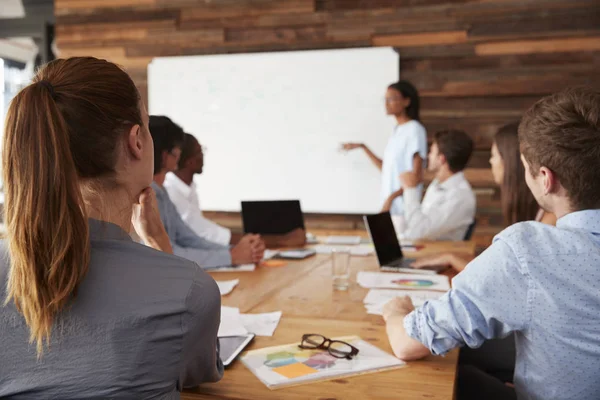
x=272 y=217
x=384 y=237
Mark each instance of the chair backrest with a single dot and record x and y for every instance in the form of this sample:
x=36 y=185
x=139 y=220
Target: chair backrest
x=470 y=230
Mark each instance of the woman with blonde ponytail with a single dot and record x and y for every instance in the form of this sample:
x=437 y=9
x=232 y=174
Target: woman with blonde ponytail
x=87 y=312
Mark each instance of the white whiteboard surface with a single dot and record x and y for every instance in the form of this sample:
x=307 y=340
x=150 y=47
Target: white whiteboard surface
x=273 y=123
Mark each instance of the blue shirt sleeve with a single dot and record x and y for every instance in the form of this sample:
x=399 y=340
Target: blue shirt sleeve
x=191 y=246
x=184 y=240
x=489 y=299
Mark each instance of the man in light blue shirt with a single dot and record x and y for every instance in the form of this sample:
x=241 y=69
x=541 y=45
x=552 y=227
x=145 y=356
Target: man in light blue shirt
x=539 y=282
x=167 y=137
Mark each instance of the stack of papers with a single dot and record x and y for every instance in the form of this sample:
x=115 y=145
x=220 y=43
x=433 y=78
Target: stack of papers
x=377 y=298
x=235 y=324
x=385 y=280
x=225 y=287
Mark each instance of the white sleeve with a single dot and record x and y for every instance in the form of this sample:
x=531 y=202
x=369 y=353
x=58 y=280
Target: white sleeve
x=201 y=226
x=455 y=211
x=416 y=143
x=422 y=139
x=208 y=229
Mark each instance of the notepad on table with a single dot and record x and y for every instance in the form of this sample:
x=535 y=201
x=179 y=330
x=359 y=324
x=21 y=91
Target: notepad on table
x=289 y=365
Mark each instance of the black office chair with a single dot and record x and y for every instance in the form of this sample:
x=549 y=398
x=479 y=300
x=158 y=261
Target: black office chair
x=470 y=230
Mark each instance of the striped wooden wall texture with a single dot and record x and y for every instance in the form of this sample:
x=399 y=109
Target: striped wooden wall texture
x=478 y=63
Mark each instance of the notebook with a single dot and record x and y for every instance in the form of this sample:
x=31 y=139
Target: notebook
x=289 y=365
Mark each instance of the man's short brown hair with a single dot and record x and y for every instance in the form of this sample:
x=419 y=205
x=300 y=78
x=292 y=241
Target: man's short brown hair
x=456 y=146
x=562 y=133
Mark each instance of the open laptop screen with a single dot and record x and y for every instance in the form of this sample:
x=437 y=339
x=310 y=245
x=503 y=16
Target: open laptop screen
x=272 y=217
x=383 y=235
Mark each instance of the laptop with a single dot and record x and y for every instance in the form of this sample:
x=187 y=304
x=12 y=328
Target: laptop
x=387 y=247
x=273 y=217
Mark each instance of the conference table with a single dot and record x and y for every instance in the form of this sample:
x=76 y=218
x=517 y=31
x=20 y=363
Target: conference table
x=303 y=291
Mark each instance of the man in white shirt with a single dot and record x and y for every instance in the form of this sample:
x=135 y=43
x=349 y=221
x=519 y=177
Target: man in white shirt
x=448 y=207
x=183 y=193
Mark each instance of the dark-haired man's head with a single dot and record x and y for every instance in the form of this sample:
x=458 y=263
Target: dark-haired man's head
x=192 y=156
x=450 y=149
x=560 y=146
x=168 y=138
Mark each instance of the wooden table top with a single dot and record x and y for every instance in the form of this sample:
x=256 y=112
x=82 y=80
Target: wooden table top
x=303 y=291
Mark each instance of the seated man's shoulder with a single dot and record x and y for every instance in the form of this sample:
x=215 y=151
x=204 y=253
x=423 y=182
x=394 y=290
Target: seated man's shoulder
x=537 y=239
x=462 y=190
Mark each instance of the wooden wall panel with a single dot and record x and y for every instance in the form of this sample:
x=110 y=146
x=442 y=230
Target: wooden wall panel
x=477 y=63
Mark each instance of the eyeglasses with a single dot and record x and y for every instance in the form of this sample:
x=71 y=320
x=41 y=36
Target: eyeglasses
x=336 y=348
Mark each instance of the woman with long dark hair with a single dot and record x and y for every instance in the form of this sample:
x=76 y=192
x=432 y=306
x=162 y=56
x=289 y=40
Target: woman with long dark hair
x=518 y=203
x=406 y=149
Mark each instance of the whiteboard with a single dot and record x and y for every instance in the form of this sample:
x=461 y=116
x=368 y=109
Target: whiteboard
x=273 y=123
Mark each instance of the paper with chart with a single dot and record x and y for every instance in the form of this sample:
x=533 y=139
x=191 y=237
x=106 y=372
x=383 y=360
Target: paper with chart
x=226 y=287
x=377 y=298
x=288 y=365
x=233 y=323
x=388 y=280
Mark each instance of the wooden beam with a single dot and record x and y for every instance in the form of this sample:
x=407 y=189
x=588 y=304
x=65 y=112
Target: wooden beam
x=276 y=35
x=334 y=5
x=71 y=6
x=538 y=46
x=436 y=51
x=505 y=61
x=420 y=39
x=228 y=9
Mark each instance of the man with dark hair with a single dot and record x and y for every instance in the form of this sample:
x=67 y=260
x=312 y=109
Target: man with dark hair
x=182 y=191
x=448 y=207
x=536 y=281
x=168 y=138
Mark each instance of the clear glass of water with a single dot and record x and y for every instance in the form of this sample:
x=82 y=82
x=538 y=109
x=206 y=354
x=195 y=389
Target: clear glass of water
x=340 y=265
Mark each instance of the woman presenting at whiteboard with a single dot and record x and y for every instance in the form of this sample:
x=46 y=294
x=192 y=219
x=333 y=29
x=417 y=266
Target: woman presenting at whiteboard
x=406 y=149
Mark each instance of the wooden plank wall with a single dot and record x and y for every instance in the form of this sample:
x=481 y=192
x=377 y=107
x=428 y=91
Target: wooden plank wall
x=477 y=63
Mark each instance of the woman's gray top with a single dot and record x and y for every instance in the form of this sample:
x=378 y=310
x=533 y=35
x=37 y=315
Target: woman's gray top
x=143 y=325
